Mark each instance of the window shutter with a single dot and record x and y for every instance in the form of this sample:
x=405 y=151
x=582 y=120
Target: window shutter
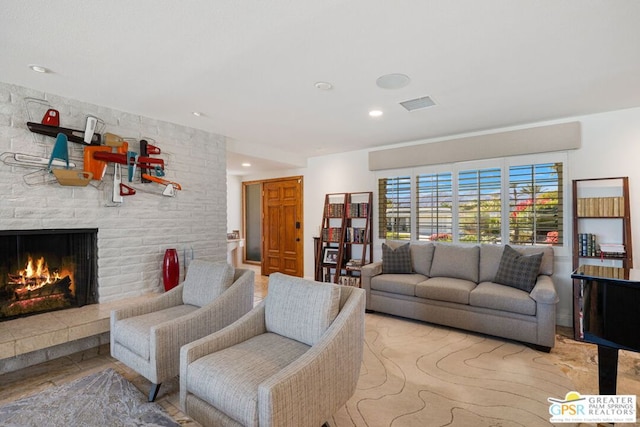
x=435 y=202
x=535 y=204
x=394 y=208
x=479 y=205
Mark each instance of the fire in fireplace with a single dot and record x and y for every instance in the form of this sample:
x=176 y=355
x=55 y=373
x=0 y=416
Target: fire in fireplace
x=46 y=270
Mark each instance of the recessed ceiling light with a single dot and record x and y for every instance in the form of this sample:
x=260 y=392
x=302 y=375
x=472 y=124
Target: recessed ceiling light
x=38 y=68
x=197 y=113
x=323 y=86
x=375 y=113
x=393 y=81
x=246 y=164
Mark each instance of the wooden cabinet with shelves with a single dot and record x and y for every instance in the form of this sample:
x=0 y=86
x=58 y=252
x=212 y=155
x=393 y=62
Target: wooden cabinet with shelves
x=602 y=222
x=345 y=242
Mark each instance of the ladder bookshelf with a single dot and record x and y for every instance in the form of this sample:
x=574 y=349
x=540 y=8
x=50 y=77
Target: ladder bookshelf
x=345 y=243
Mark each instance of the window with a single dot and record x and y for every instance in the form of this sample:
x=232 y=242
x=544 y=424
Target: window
x=394 y=208
x=479 y=205
x=535 y=204
x=434 y=202
x=514 y=201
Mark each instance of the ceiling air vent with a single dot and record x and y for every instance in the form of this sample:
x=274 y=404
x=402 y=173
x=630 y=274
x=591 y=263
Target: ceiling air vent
x=418 y=103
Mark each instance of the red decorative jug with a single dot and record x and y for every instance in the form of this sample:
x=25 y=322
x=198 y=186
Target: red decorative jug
x=170 y=269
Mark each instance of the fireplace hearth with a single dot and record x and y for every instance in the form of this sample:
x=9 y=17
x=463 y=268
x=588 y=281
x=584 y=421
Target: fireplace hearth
x=46 y=270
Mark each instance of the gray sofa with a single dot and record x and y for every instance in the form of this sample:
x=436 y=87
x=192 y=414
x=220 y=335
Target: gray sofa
x=453 y=285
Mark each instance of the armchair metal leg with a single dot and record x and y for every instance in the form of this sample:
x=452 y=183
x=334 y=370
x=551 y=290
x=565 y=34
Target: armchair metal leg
x=153 y=392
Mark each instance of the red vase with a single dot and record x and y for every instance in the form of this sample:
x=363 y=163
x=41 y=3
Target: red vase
x=170 y=269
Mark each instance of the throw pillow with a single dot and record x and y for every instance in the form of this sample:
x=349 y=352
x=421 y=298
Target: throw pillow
x=300 y=309
x=518 y=270
x=396 y=261
x=206 y=281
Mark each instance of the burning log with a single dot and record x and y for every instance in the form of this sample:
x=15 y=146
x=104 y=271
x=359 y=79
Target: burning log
x=60 y=286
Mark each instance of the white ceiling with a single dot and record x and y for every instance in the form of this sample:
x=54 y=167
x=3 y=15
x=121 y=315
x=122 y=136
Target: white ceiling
x=250 y=65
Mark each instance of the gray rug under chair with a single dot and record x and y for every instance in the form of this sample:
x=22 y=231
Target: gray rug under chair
x=101 y=399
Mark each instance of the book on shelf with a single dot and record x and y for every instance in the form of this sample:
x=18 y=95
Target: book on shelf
x=358 y=210
x=355 y=235
x=612 y=249
x=331 y=234
x=349 y=281
x=353 y=264
x=335 y=210
x=587 y=244
x=602 y=271
x=600 y=207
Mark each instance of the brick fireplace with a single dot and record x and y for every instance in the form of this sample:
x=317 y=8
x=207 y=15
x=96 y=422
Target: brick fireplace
x=46 y=270
x=132 y=236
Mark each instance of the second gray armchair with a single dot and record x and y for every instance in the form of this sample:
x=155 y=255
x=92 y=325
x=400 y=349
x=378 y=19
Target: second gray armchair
x=292 y=361
x=147 y=337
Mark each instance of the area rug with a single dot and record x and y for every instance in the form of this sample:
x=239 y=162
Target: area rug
x=101 y=399
x=419 y=374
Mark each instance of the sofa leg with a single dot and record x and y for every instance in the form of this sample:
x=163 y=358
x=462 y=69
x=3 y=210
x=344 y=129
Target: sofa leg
x=153 y=392
x=540 y=347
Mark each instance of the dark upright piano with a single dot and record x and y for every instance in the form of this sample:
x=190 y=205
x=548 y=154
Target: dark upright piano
x=606 y=312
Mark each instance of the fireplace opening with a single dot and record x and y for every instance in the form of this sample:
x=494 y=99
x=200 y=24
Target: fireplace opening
x=46 y=270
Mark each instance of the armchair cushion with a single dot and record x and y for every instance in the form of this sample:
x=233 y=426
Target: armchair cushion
x=206 y=281
x=300 y=309
x=229 y=379
x=134 y=332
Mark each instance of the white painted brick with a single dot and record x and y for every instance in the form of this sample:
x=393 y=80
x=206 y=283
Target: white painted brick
x=132 y=236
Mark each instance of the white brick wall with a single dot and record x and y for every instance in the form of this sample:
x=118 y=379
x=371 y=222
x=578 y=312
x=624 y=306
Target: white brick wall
x=132 y=236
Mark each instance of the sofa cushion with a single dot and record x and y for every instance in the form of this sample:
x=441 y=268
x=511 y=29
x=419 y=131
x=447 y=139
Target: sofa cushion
x=229 y=379
x=490 y=255
x=396 y=260
x=206 y=281
x=504 y=298
x=134 y=332
x=404 y=284
x=445 y=289
x=421 y=257
x=305 y=322
x=518 y=270
x=456 y=261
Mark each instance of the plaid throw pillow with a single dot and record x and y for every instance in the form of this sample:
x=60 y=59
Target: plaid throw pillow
x=396 y=260
x=517 y=270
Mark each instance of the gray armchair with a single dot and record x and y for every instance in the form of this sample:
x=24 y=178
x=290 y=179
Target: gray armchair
x=294 y=360
x=147 y=337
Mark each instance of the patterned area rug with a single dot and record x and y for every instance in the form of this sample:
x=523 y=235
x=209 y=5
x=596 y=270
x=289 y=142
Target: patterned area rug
x=418 y=374
x=101 y=399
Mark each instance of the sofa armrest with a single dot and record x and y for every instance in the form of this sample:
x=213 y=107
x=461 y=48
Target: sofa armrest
x=366 y=273
x=544 y=292
x=372 y=269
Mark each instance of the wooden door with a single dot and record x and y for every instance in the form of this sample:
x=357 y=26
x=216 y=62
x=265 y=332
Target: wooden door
x=282 y=227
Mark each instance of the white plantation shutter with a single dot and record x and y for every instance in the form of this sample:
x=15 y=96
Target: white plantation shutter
x=479 y=205
x=434 y=216
x=394 y=208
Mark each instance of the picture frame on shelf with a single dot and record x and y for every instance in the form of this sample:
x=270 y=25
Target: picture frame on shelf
x=330 y=255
